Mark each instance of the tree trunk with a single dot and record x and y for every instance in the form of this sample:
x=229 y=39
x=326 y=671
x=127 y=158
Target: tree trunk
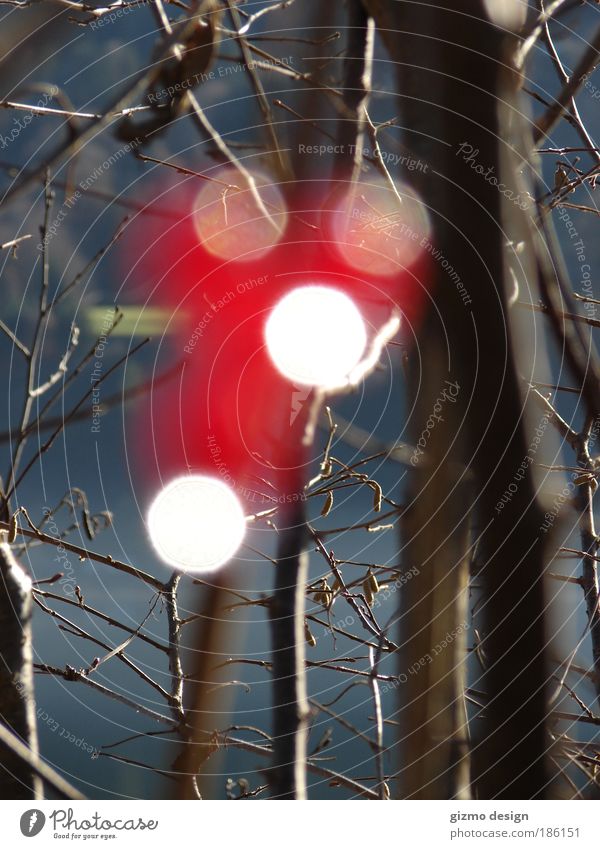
x=454 y=69
x=17 y=697
x=290 y=705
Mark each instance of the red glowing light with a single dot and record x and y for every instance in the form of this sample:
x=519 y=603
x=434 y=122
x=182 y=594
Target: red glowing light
x=229 y=412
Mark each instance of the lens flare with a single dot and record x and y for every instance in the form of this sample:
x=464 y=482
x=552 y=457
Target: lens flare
x=315 y=336
x=196 y=523
x=375 y=229
x=233 y=222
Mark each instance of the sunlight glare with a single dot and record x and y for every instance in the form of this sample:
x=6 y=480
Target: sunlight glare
x=315 y=336
x=196 y=523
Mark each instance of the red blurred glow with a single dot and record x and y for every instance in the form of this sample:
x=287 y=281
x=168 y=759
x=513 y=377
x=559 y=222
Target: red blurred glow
x=230 y=413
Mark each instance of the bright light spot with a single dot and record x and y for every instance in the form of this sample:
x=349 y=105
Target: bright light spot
x=508 y=14
x=196 y=523
x=316 y=336
x=231 y=220
x=377 y=230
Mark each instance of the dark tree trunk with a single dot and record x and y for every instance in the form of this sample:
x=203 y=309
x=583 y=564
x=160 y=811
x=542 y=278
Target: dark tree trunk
x=454 y=71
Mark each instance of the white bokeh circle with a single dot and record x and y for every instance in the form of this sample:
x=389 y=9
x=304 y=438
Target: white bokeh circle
x=196 y=523
x=316 y=336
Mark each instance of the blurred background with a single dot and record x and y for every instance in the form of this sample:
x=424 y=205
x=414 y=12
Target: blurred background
x=102 y=470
